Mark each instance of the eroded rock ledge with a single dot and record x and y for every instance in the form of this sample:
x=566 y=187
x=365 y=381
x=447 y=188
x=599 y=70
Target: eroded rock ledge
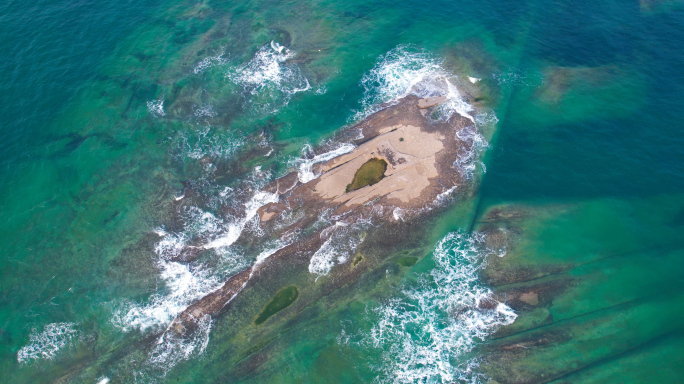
x=420 y=154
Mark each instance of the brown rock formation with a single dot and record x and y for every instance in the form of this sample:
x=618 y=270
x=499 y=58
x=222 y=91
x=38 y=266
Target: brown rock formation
x=420 y=155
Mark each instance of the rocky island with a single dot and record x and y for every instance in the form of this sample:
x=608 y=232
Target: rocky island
x=342 y=217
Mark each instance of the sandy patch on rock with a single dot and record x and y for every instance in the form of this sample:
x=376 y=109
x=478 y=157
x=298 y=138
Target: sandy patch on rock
x=410 y=154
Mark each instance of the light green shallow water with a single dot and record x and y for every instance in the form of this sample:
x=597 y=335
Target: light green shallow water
x=586 y=157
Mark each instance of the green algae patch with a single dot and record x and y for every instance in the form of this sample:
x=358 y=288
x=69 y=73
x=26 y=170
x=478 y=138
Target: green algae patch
x=407 y=261
x=371 y=172
x=283 y=299
x=357 y=259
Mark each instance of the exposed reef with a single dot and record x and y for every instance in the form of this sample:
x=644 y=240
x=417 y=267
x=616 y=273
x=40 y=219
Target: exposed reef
x=400 y=164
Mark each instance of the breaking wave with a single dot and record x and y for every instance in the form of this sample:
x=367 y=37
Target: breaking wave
x=424 y=334
x=171 y=348
x=404 y=71
x=46 y=344
x=257 y=201
x=268 y=80
x=469 y=154
x=183 y=283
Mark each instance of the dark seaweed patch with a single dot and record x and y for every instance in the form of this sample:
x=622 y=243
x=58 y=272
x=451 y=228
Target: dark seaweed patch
x=283 y=299
x=370 y=173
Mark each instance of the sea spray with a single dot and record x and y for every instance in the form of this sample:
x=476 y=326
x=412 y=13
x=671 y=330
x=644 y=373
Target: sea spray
x=210 y=61
x=469 y=153
x=171 y=348
x=184 y=283
x=235 y=229
x=205 y=141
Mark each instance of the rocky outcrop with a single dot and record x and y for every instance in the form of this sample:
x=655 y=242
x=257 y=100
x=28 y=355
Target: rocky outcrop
x=420 y=154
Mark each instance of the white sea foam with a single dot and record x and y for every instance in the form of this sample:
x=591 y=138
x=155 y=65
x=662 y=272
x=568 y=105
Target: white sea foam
x=469 y=154
x=210 y=61
x=103 y=380
x=208 y=141
x=341 y=242
x=445 y=196
x=156 y=107
x=172 y=348
x=398 y=214
x=516 y=77
x=185 y=283
x=46 y=343
x=268 y=79
x=205 y=110
x=403 y=71
x=305 y=165
x=235 y=229
x=268 y=253
x=424 y=334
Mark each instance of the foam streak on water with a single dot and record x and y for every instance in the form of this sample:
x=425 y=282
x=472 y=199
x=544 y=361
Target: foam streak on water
x=156 y=107
x=424 y=333
x=206 y=141
x=469 y=154
x=172 y=348
x=210 y=61
x=186 y=282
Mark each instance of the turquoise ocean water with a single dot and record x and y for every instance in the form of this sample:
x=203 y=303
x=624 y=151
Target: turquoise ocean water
x=111 y=113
